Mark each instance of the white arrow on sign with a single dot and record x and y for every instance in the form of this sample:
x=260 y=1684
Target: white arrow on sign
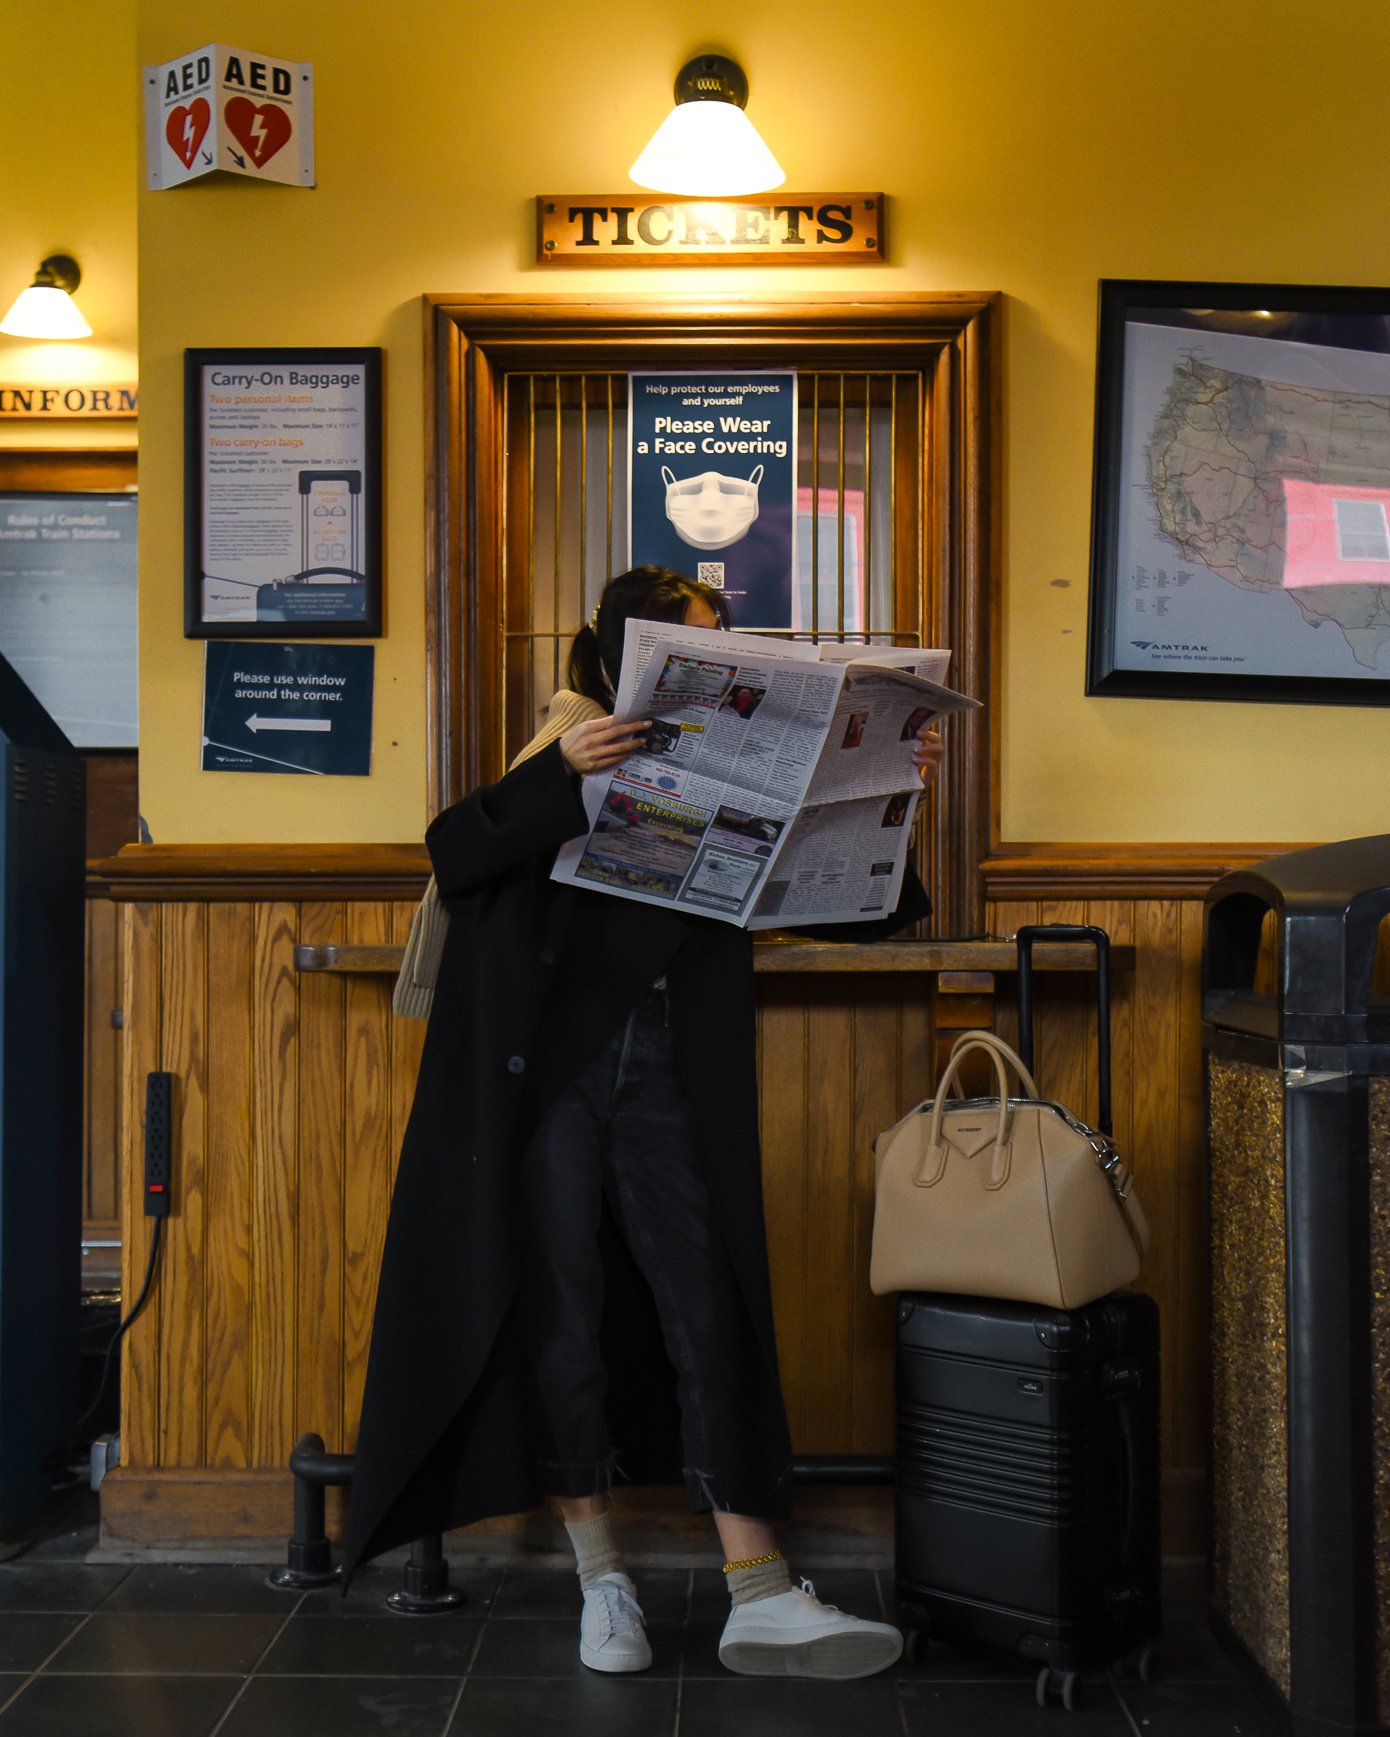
x=254 y=723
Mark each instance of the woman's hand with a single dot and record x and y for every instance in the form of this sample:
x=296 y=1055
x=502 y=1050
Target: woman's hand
x=600 y=743
x=927 y=751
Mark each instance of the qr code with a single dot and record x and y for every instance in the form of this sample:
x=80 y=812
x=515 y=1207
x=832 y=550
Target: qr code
x=710 y=573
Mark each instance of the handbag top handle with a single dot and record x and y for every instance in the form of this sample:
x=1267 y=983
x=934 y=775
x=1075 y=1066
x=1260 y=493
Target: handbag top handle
x=997 y=1051
x=1011 y=1056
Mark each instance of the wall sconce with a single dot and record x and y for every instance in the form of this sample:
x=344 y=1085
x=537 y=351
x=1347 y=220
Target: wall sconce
x=46 y=309
x=707 y=147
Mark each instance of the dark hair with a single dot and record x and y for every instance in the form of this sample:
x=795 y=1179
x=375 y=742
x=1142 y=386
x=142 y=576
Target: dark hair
x=650 y=594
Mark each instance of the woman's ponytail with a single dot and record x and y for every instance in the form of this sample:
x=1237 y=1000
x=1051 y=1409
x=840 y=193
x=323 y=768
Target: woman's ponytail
x=585 y=673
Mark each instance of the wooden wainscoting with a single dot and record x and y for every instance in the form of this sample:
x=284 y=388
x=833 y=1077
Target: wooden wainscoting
x=292 y=1095
x=101 y=1095
x=840 y=1058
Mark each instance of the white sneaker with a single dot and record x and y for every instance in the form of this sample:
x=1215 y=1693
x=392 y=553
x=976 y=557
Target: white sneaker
x=795 y=1635
x=611 y=1636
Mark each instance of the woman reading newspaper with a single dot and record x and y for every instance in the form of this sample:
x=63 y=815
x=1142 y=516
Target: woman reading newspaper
x=580 y=1187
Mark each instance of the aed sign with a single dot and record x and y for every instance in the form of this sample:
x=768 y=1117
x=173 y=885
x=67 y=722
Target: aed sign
x=588 y=229
x=288 y=708
x=227 y=108
x=59 y=398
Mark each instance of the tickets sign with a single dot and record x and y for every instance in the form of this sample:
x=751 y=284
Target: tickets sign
x=229 y=108
x=589 y=229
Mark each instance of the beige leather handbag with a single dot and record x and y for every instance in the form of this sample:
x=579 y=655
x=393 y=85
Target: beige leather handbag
x=1002 y=1197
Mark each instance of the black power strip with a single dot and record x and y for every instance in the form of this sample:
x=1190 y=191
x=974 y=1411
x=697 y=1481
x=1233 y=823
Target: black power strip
x=159 y=1144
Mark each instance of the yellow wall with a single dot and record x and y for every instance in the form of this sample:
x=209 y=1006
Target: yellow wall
x=68 y=162
x=1027 y=148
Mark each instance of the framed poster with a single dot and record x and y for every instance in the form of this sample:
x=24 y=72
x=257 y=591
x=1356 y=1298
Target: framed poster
x=1240 y=546
x=282 y=494
x=68 y=618
x=711 y=484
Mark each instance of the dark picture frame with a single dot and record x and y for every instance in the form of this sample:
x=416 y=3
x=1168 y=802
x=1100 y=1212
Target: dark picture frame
x=1151 y=466
x=327 y=589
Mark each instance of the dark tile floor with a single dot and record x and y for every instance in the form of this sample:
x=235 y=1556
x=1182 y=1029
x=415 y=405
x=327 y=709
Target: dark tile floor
x=214 y=1652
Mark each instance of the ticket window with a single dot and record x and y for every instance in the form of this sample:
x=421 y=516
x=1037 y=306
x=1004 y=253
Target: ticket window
x=897 y=459
x=565 y=512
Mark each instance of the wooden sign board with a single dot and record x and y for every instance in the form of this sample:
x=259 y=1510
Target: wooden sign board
x=64 y=398
x=589 y=229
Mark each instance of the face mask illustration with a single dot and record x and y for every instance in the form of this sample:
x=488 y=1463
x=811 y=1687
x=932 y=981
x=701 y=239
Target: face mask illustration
x=711 y=511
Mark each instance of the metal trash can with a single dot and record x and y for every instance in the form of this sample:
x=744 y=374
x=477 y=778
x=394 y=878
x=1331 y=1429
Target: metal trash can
x=1297 y=1044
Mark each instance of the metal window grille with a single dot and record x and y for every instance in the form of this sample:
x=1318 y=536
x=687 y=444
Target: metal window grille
x=859 y=519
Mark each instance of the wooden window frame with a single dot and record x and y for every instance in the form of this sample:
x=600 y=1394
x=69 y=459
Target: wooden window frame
x=473 y=342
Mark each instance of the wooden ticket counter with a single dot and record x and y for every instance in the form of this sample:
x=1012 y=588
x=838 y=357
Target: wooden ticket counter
x=261 y=978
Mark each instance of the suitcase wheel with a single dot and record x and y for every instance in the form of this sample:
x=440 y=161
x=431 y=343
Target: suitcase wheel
x=914 y=1645
x=1145 y=1662
x=1053 y=1686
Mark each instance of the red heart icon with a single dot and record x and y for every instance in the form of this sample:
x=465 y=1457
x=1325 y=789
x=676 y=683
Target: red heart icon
x=185 y=128
x=260 y=131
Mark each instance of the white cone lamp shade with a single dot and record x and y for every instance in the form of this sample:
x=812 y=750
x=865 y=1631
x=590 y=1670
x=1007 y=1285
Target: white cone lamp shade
x=707 y=148
x=46 y=309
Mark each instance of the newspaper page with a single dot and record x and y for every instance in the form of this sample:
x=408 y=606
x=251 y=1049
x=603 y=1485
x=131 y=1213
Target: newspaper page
x=841 y=862
x=741 y=729
x=918 y=660
x=878 y=714
x=641 y=637
x=694 y=817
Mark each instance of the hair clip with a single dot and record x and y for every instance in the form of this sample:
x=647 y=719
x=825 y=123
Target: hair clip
x=593 y=619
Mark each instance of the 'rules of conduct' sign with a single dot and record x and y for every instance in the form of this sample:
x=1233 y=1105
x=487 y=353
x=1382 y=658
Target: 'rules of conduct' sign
x=227 y=108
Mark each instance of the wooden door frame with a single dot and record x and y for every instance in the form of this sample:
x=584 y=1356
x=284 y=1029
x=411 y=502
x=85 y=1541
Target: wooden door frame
x=472 y=342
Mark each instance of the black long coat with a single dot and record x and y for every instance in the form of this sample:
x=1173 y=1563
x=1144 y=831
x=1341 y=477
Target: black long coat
x=535 y=978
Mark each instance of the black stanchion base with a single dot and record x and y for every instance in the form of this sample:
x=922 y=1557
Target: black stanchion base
x=301 y=1579
x=426 y=1603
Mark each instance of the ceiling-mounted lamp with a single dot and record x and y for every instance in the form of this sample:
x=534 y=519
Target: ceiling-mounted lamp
x=707 y=148
x=46 y=309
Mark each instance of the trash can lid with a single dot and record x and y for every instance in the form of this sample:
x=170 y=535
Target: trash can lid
x=1329 y=902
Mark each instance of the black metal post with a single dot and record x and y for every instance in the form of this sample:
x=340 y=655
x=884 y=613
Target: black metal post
x=310 y=1561
x=426 y=1589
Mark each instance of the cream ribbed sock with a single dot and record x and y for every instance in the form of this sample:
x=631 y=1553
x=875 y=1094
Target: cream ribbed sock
x=594 y=1549
x=748 y=1585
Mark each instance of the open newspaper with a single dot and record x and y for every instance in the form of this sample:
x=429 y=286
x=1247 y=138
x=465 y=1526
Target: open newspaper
x=776 y=786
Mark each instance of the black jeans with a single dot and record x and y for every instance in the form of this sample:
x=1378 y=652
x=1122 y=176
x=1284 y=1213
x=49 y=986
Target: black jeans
x=620 y=1132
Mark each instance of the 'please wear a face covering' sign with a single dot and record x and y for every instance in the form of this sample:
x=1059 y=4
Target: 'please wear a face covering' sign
x=712 y=484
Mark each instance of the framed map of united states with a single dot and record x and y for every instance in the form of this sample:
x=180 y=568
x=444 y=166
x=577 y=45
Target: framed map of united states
x=1240 y=544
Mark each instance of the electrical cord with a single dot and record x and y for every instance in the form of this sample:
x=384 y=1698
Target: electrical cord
x=119 y=1334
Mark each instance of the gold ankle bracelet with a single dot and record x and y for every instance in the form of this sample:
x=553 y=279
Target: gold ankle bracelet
x=753 y=1561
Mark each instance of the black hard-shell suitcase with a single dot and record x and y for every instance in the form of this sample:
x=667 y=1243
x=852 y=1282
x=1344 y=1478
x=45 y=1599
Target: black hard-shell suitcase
x=1027 y=1460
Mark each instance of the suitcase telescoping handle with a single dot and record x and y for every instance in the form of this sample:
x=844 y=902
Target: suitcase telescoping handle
x=1101 y=941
